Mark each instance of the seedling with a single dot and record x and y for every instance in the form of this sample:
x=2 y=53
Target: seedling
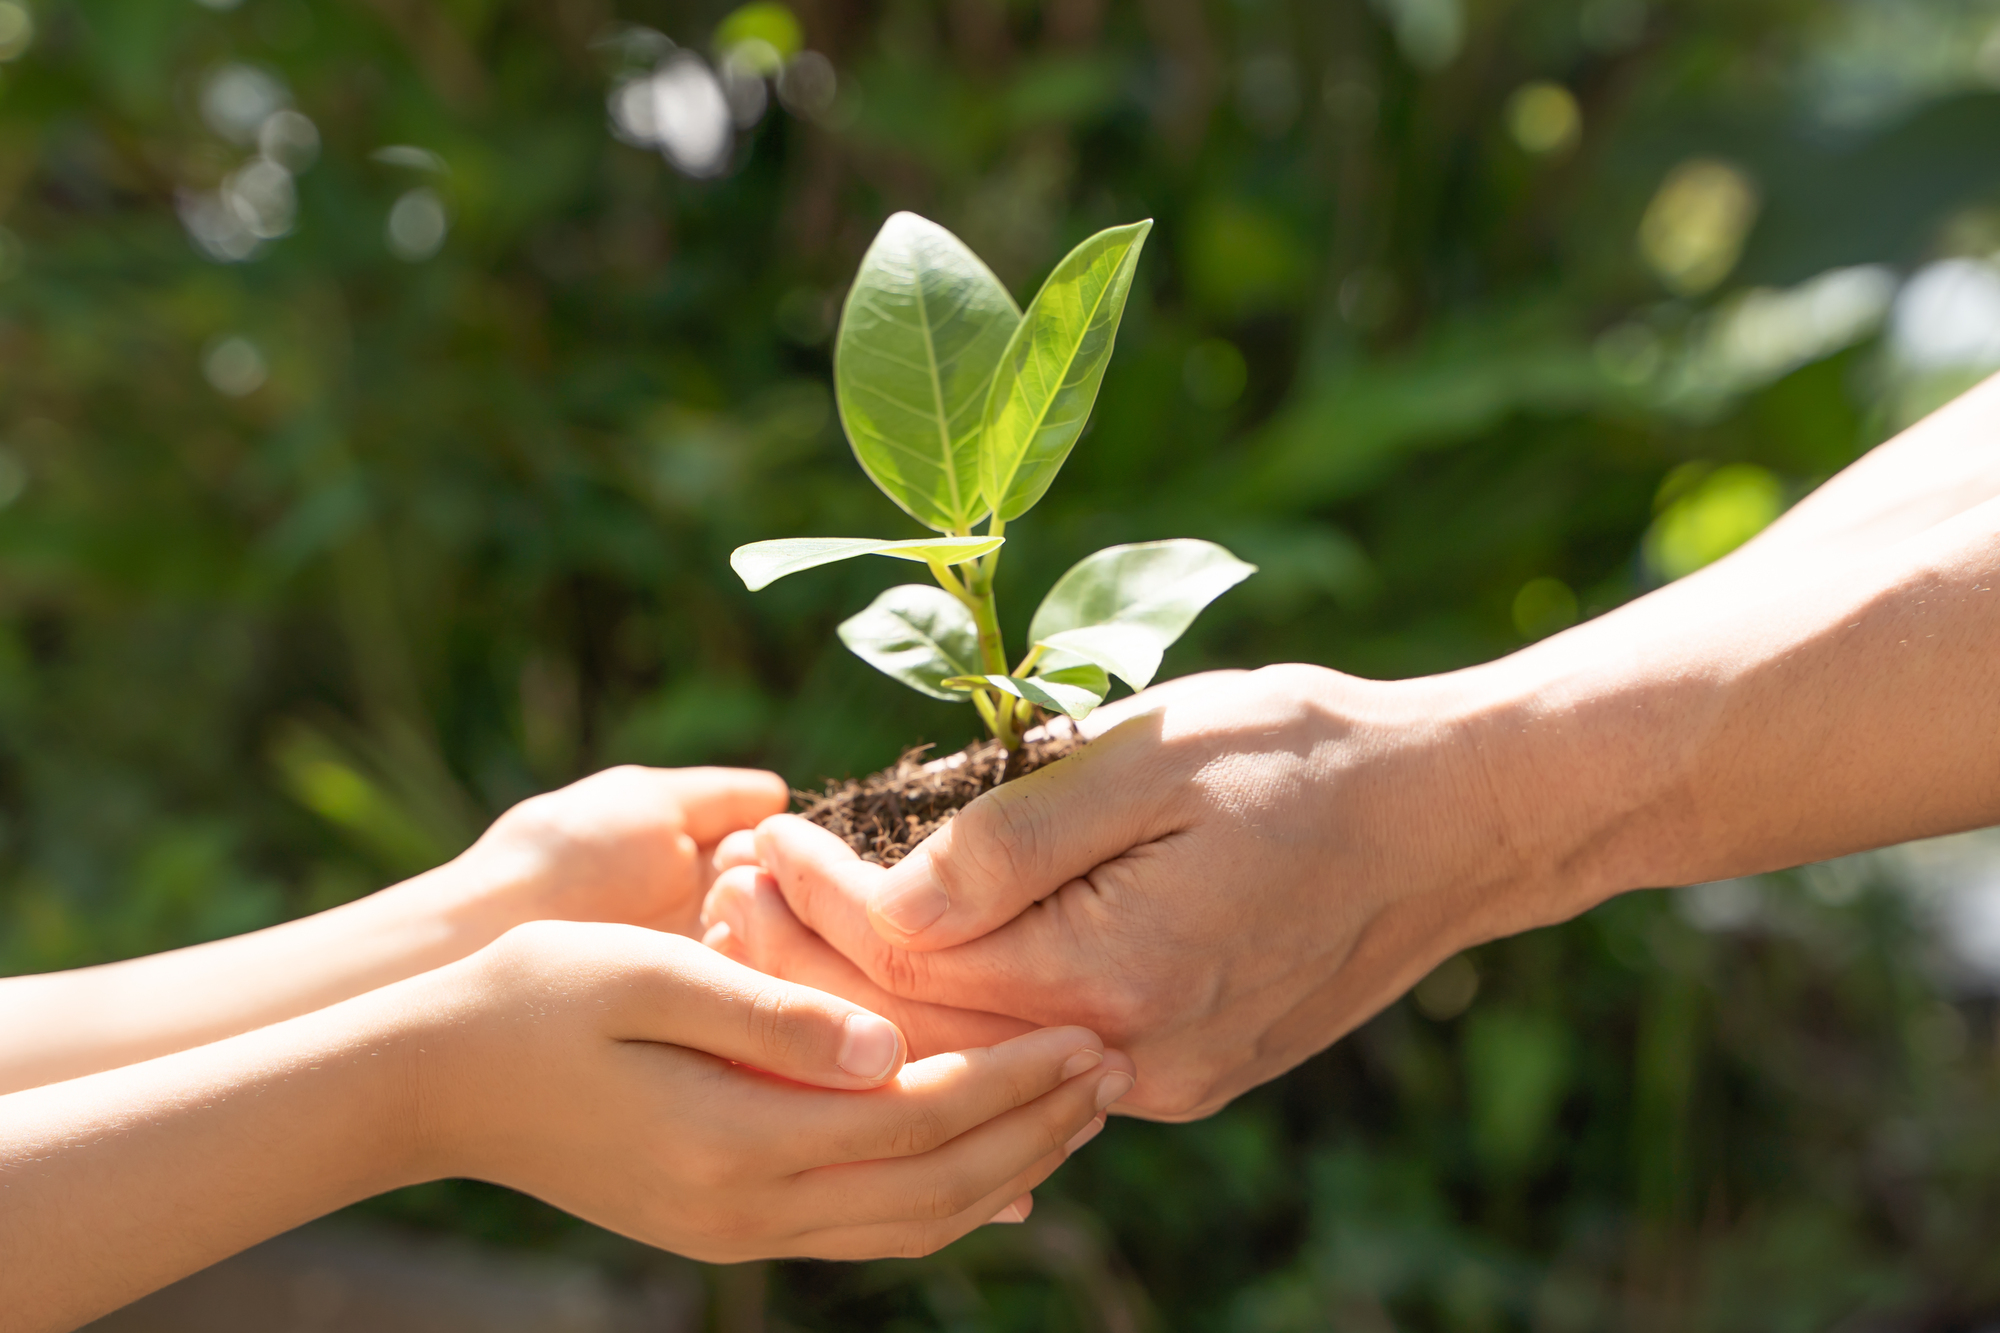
x=963 y=409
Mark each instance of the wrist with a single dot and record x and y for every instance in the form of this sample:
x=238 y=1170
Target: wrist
x=1488 y=775
x=1584 y=757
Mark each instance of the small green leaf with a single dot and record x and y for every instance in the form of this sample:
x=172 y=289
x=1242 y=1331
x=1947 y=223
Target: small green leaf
x=760 y=564
x=923 y=636
x=924 y=326
x=1048 y=377
x=1072 y=692
x=1123 y=607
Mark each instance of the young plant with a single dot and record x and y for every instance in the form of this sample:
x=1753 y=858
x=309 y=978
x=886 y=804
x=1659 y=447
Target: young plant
x=962 y=409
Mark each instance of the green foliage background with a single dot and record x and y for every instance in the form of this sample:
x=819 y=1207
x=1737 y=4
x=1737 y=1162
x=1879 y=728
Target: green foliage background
x=468 y=539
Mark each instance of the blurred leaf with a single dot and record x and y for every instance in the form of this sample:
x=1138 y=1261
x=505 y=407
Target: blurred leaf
x=1242 y=260
x=922 y=332
x=325 y=779
x=1049 y=375
x=1517 y=1067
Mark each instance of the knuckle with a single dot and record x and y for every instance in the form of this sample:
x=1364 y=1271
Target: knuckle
x=998 y=841
x=776 y=1025
x=916 y=1243
x=951 y=1192
x=900 y=971
x=920 y=1132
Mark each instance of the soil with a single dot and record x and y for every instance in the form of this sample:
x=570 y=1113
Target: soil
x=885 y=814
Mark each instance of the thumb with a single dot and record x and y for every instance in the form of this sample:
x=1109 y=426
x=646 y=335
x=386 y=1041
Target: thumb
x=1020 y=842
x=693 y=997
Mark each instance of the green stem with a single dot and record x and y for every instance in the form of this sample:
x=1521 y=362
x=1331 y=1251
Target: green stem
x=992 y=648
x=996 y=709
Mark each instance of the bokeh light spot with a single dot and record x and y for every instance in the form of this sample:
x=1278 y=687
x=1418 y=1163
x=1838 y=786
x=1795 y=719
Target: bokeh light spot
x=1449 y=990
x=1544 y=118
x=809 y=85
x=1709 y=513
x=234 y=367
x=772 y=26
x=1543 y=607
x=289 y=139
x=417 y=225
x=1947 y=317
x=17 y=29
x=237 y=99
x=1694 y=229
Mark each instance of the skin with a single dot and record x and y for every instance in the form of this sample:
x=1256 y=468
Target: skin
x=629 y=845
x=617 y=1070
x=1244 y=866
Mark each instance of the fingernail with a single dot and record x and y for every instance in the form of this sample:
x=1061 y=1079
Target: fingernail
x=1081 y=1062
x=913 y=907
x=1114 y=1086
x=717 y=936
x=1011 y=1213
x=868 y=1046
x=1084 y=1135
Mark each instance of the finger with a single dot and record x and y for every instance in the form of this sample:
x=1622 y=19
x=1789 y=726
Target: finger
x=715 y=802
x=914 y=1240
x=989 y=1164
x=1032 y=968
x=930 y=1103
x=738 y=849
x=1023 y=840
x=750 y=922
x=686 y=995
x=1018 y=1210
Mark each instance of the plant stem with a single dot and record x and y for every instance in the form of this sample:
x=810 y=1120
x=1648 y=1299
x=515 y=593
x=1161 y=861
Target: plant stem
x=992 y=648
x=996 y=709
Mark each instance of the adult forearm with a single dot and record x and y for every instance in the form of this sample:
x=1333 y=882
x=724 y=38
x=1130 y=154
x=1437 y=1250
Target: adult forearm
x=1675 y=741
x=117 y=1183
x=66 y=1024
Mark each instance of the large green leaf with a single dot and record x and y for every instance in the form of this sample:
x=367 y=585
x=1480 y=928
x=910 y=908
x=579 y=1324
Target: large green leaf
x=1124 y=606
x=1049 y=375
x=923 y=636
x=923 y=329
x=760 y=564
x=1073 y=691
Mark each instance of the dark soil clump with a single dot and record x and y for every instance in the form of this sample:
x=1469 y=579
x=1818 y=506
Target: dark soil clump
x=885 y=814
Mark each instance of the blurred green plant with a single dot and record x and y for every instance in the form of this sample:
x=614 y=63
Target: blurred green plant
x=322 y=539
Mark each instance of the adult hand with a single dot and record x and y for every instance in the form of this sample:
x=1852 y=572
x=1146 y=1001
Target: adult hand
x=1237 y=870
x=643 y=1113
x=628 y=845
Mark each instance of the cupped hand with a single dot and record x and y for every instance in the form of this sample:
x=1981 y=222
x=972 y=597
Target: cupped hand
x=628 y=845
x=1237 y=870
x=650 y=1085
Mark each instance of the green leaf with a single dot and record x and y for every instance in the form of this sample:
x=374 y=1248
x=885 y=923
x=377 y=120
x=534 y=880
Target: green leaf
x=1048 y=378
x=1123 y=607
x=923 y=636
x=760 y=564
x=924 y=326
x=1073 y=691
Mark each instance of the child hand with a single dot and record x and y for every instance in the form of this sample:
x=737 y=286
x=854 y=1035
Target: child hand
x=615 y=1073
x=629 y=845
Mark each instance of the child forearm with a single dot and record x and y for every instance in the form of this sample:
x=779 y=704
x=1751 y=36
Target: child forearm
x=116 y=1183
